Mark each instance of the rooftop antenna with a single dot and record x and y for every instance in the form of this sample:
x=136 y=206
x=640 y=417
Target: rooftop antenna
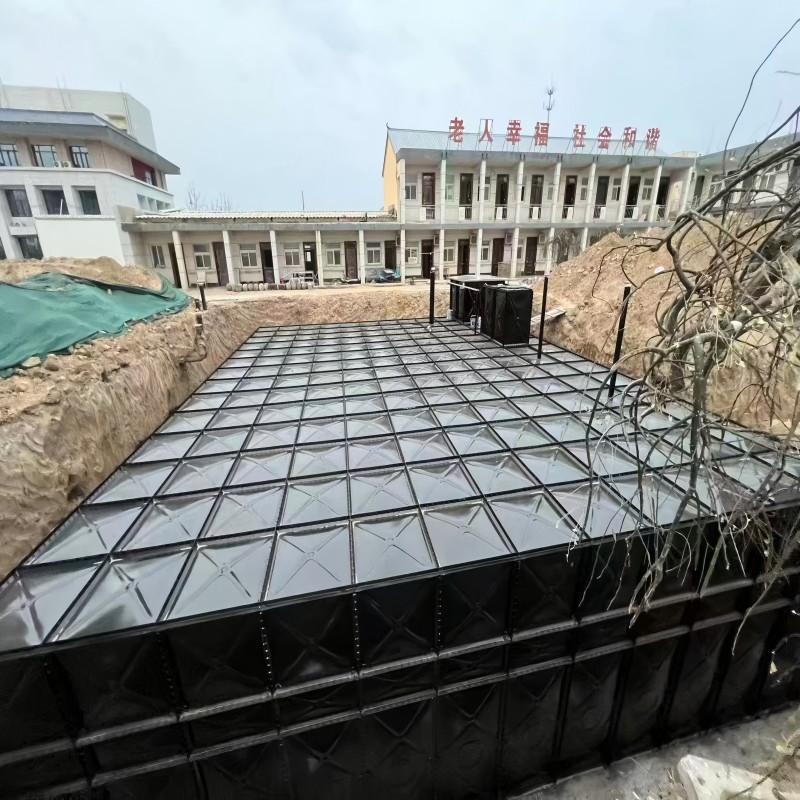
x=550 y=103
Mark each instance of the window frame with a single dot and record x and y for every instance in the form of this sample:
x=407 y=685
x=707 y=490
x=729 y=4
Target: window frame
x=251 y=251
x=12 y=206
x=79 y=153
x=162 y=264
x=484 y=249
x=370 y=256
x=449 y=187
x=411 y=188
x=647 y=189
x=37 y=149
x=9 y=153
x=45 y=192
x=27 y=239
x=202 y=252
x=451 y=246
x=616 y=189
x=294 y=252
x=412 y=251
x=81 y=193
x=334 y=250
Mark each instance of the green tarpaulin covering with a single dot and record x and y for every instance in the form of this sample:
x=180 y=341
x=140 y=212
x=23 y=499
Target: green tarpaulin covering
x=50 y=312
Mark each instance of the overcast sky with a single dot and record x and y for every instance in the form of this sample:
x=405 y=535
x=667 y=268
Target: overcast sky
x=260 y=99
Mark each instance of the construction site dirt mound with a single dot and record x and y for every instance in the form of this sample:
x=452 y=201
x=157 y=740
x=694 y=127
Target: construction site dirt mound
x=589 y=289
x=97 y=269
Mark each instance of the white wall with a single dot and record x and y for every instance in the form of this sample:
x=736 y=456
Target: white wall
x=80 y=237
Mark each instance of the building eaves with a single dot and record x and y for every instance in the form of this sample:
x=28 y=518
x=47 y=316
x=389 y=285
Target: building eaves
x=79 y=125
x=282 y=216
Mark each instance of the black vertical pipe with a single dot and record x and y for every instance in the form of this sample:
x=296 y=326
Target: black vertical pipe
x=541 y=318
x=433 y=294
x=626 y=293
x=202 y=296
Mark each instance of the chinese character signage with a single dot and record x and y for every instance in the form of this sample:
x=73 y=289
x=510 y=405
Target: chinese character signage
x=541 y=136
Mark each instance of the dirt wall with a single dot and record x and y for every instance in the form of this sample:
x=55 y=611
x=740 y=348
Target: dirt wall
x=67 y=424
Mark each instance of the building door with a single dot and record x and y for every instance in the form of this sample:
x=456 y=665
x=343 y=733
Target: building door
x=173 y=260
x=463 y=256
x=390 y=249
x=465 y=193
x=223 y=276
x=601 y=195
x=663 y=191
x=428 y=188
x=427 y=257
x=698 y=188
x=310 y=258
x=498 y=247
x=351 y=260
x=531 y=247
x=537 y=184
x=570 y=189
x=633 y=191
x=267 y=265
x=501 y=196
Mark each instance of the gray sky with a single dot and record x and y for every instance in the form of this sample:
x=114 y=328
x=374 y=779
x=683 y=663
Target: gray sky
x=262 y=98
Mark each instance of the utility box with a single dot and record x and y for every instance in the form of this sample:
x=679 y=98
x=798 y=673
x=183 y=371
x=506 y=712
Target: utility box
x=507 y=316
x=464 y=301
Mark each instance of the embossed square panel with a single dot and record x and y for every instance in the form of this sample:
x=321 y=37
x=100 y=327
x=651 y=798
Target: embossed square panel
x=496 y=410
x=368 y=425
x=497 y=472
x=260 y=466
x=424 y=446
x=414 y=419
x=382 y=490
x=365 y=453
x=164 y=447
x=319 y=459
x=598 y=510
x=251 y=508
x=132 y=482
x=390 y=545
x=552 y=465
x=275 y=435
x=463 y=533
x=170 y=520
x=439 y=481
x=321 y=430
x=475 y=439
x=521 y=433
x=400 y=400
x=532 y=521
x=199 y=475
x=315 y=500
x=280 y=413
x=456 y=415
x=212 y=443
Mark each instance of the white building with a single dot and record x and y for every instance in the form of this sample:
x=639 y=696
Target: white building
x=469 y=208
x=68 y=182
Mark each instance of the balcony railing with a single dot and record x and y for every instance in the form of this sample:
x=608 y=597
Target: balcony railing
x=599 y=212
x=464 y=213
x=534 y=212
x=501 y=212
x=427 y=213
x=568 y=212
x=631 y=212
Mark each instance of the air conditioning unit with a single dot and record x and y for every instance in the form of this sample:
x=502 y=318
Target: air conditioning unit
x=412 y=260
x=473 y=238
x=436 y=239
x=509 y=238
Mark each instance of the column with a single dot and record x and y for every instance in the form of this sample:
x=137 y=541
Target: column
x=589 y=210
x=362 y=266
x=554 y=215
x=273 y=243
x=233 y=271
x=401 y=190
x=520 y=179
x=481 y=203
x=478 y=248
x=442 y=190
x=550 y=237
x=441 y=255
x=584 y=238
x=514 y=246
x=402 y=255
x=685 y=191
x=623 y=192
x=320 y=257
x=652 y=213
x=176 y=240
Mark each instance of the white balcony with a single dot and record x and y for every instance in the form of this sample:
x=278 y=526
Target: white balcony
x=534 y=212
x=500 y=212
x=427 y=213
x=464 y=213
x=568 y=212
x=632 y=213
x=599 y=212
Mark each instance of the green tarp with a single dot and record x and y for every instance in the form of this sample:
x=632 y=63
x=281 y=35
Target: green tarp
x=50 y=312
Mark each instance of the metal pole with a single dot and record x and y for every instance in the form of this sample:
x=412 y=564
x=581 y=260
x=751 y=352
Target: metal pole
x=433 y=294
x=626 y=293
x=541 y=318
x=202 y=296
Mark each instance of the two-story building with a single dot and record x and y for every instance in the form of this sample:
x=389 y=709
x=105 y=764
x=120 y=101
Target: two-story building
x=68 y=182
x=476 y=207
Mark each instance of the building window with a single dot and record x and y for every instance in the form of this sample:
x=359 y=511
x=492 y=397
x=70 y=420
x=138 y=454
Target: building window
x=616 y=188
x=549 y=191
x=29 y=246
x=449 y=252
x=249 y=256
x=202 y=257
x=18 y=204
x=484 y=252
x=80 y=156
x=44 y=155
x=411 y=187
x=449 y=187
x=412 y=254
x=647 y=189
x=584 y=189
x=89 y=202
x=522 y=193
x=142 y=201
x=157 y=253
x=8 y=155
x=161 y=205
x=334 y=255
x=373 y=253
x=519 y=252
x=487 y=185
x=292 y=257
x=54 y=201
